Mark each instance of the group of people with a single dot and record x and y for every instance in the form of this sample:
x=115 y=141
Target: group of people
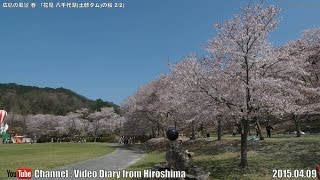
x=268 y=129
x=125 y=140
x=237 y=130
x=59 y=140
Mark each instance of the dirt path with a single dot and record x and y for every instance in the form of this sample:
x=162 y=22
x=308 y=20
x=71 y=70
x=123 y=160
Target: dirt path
x=120 y=159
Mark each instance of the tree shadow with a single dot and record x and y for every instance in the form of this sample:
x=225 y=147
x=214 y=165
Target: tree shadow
x=135 y=148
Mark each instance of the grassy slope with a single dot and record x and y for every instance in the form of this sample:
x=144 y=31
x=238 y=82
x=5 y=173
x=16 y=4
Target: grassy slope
x=46 y=156
x=222 y=158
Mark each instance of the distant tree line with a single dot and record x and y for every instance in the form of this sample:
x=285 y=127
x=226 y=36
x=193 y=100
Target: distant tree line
x=26 y=100
x=72 y=127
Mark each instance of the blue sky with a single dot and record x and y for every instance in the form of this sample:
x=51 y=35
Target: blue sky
x=109 y=53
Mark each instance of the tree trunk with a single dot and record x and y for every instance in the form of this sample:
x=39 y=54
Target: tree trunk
x=219 y=129
x=120 y=128
x=245 y=120
x=297 y=125
x=202 y=130
x=158 y=127
x=95 y=139
x=164 y=130
x=193 y=135
x=153 y=133
x=244 y=136
x=259 y=129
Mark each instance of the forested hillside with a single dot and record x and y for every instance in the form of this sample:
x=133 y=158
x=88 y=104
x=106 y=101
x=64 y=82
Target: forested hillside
x=34 y=100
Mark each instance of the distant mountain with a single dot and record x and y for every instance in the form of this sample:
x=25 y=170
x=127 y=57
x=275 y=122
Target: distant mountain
x=34 y=100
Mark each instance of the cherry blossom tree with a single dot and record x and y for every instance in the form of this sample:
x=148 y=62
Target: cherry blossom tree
x=306 y=54
x=82 y=115
x=245 y=75
x=267 y=78
x=145 y=105
x=160 y=105
x=137 y=111
x=73 y=124
x=201 y=90
x=311 y=45
x=137 y=125
x=243 y=78
x=44 y=125
x=17 y=122
x=103 y=120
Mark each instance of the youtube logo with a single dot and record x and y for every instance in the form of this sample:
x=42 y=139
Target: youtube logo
x=24 y=173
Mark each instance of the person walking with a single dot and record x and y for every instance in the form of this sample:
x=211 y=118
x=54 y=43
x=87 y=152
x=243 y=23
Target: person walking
x=120 y=140
x=269 y=128
x=235 y=130
x=257 y=130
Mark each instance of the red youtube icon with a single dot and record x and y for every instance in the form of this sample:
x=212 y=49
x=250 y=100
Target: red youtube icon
x=24 y=173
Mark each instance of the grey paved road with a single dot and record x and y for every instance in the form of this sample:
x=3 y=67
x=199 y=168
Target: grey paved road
x=118 y=160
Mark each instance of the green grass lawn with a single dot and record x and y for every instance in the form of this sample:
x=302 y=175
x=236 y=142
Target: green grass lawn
x=221 y=158
x=46 y=156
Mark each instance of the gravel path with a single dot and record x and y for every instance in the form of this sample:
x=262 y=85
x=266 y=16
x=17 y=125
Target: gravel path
x=114 y=162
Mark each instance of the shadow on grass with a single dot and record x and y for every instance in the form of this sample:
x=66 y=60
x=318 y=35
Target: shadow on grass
x=135 y=148
x=221 y=158
x=213 y=147
x=263 y=157
x=226 y=168
x=291 y=155
x=143 y=166
x=149 y=160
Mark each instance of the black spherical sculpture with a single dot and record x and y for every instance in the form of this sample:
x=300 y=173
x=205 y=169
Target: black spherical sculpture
x=172 y=134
